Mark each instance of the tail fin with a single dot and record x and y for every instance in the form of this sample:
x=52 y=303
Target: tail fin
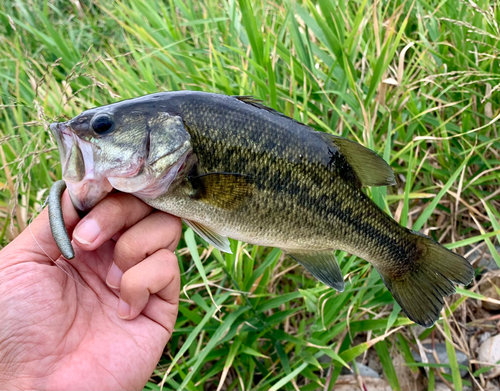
x=420 y=291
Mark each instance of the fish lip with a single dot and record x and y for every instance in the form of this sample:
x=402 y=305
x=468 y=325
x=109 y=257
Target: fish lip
x=54 y=128
x=87 y=192
x=93 y=187
x=60 y=129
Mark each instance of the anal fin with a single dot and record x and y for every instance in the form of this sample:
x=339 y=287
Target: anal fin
x=218 y=241
x=323 y=266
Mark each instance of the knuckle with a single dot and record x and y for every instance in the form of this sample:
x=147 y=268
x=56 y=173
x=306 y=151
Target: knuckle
x=132 y=284
x=173 y=223
x=113 y=205
x=167 y=260
x=177 y=223
x=164 y=256
x=121 y=204
x=128 y=249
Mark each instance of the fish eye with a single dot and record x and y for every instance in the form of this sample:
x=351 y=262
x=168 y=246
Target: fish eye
x=102 y=123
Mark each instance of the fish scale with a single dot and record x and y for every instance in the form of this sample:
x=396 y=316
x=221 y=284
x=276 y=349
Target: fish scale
x=231 y=167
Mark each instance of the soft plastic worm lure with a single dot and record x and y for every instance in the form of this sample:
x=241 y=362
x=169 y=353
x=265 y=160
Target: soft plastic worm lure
x=56 y=220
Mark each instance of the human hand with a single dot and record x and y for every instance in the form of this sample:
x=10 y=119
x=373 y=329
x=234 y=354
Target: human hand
x=63 y=326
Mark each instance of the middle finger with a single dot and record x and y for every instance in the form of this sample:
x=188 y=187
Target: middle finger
x=157 y=231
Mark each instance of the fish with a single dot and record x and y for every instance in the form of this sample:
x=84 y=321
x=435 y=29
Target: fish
x=231 y=167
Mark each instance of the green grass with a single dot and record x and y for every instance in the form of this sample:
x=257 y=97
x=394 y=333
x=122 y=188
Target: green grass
x=416 y=81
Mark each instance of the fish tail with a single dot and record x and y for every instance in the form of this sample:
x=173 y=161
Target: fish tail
x=432 y=275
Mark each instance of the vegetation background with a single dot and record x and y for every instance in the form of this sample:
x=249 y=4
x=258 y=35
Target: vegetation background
x=418 y=81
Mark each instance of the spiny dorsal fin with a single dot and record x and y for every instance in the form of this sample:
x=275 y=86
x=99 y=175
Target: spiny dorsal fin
x=323 y=266
x=218 y=241
x=369 y=167
x=222 y=189
x=250 y=100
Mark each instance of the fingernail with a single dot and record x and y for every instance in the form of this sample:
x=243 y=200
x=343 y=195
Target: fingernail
x=114 y=277
x=123 y=309
x=87 y=232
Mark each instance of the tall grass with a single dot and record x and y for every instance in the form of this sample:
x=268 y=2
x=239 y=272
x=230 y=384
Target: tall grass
x=417 y=81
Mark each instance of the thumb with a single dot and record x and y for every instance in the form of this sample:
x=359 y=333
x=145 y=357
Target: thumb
x=37 y=238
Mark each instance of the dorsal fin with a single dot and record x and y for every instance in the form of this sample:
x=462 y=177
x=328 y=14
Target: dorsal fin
x=369 y=167
x=250 y=100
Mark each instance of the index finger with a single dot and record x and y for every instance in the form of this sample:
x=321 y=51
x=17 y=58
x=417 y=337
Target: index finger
x=110 y=216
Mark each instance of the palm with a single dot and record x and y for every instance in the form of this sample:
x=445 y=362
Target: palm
x=60 y=327
x=81 y=330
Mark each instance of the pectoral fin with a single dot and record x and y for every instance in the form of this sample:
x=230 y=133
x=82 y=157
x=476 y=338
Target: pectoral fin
x=221 y=189
x=218 y=241
x=323 y=266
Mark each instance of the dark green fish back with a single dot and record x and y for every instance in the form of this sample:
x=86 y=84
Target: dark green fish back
x=292 y=167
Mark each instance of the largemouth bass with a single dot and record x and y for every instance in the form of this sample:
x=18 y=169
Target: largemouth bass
x=231 y=167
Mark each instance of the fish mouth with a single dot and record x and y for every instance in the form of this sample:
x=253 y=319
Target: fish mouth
x=86 y=188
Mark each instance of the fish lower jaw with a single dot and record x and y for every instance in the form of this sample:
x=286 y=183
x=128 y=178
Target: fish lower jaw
x=86 y=194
